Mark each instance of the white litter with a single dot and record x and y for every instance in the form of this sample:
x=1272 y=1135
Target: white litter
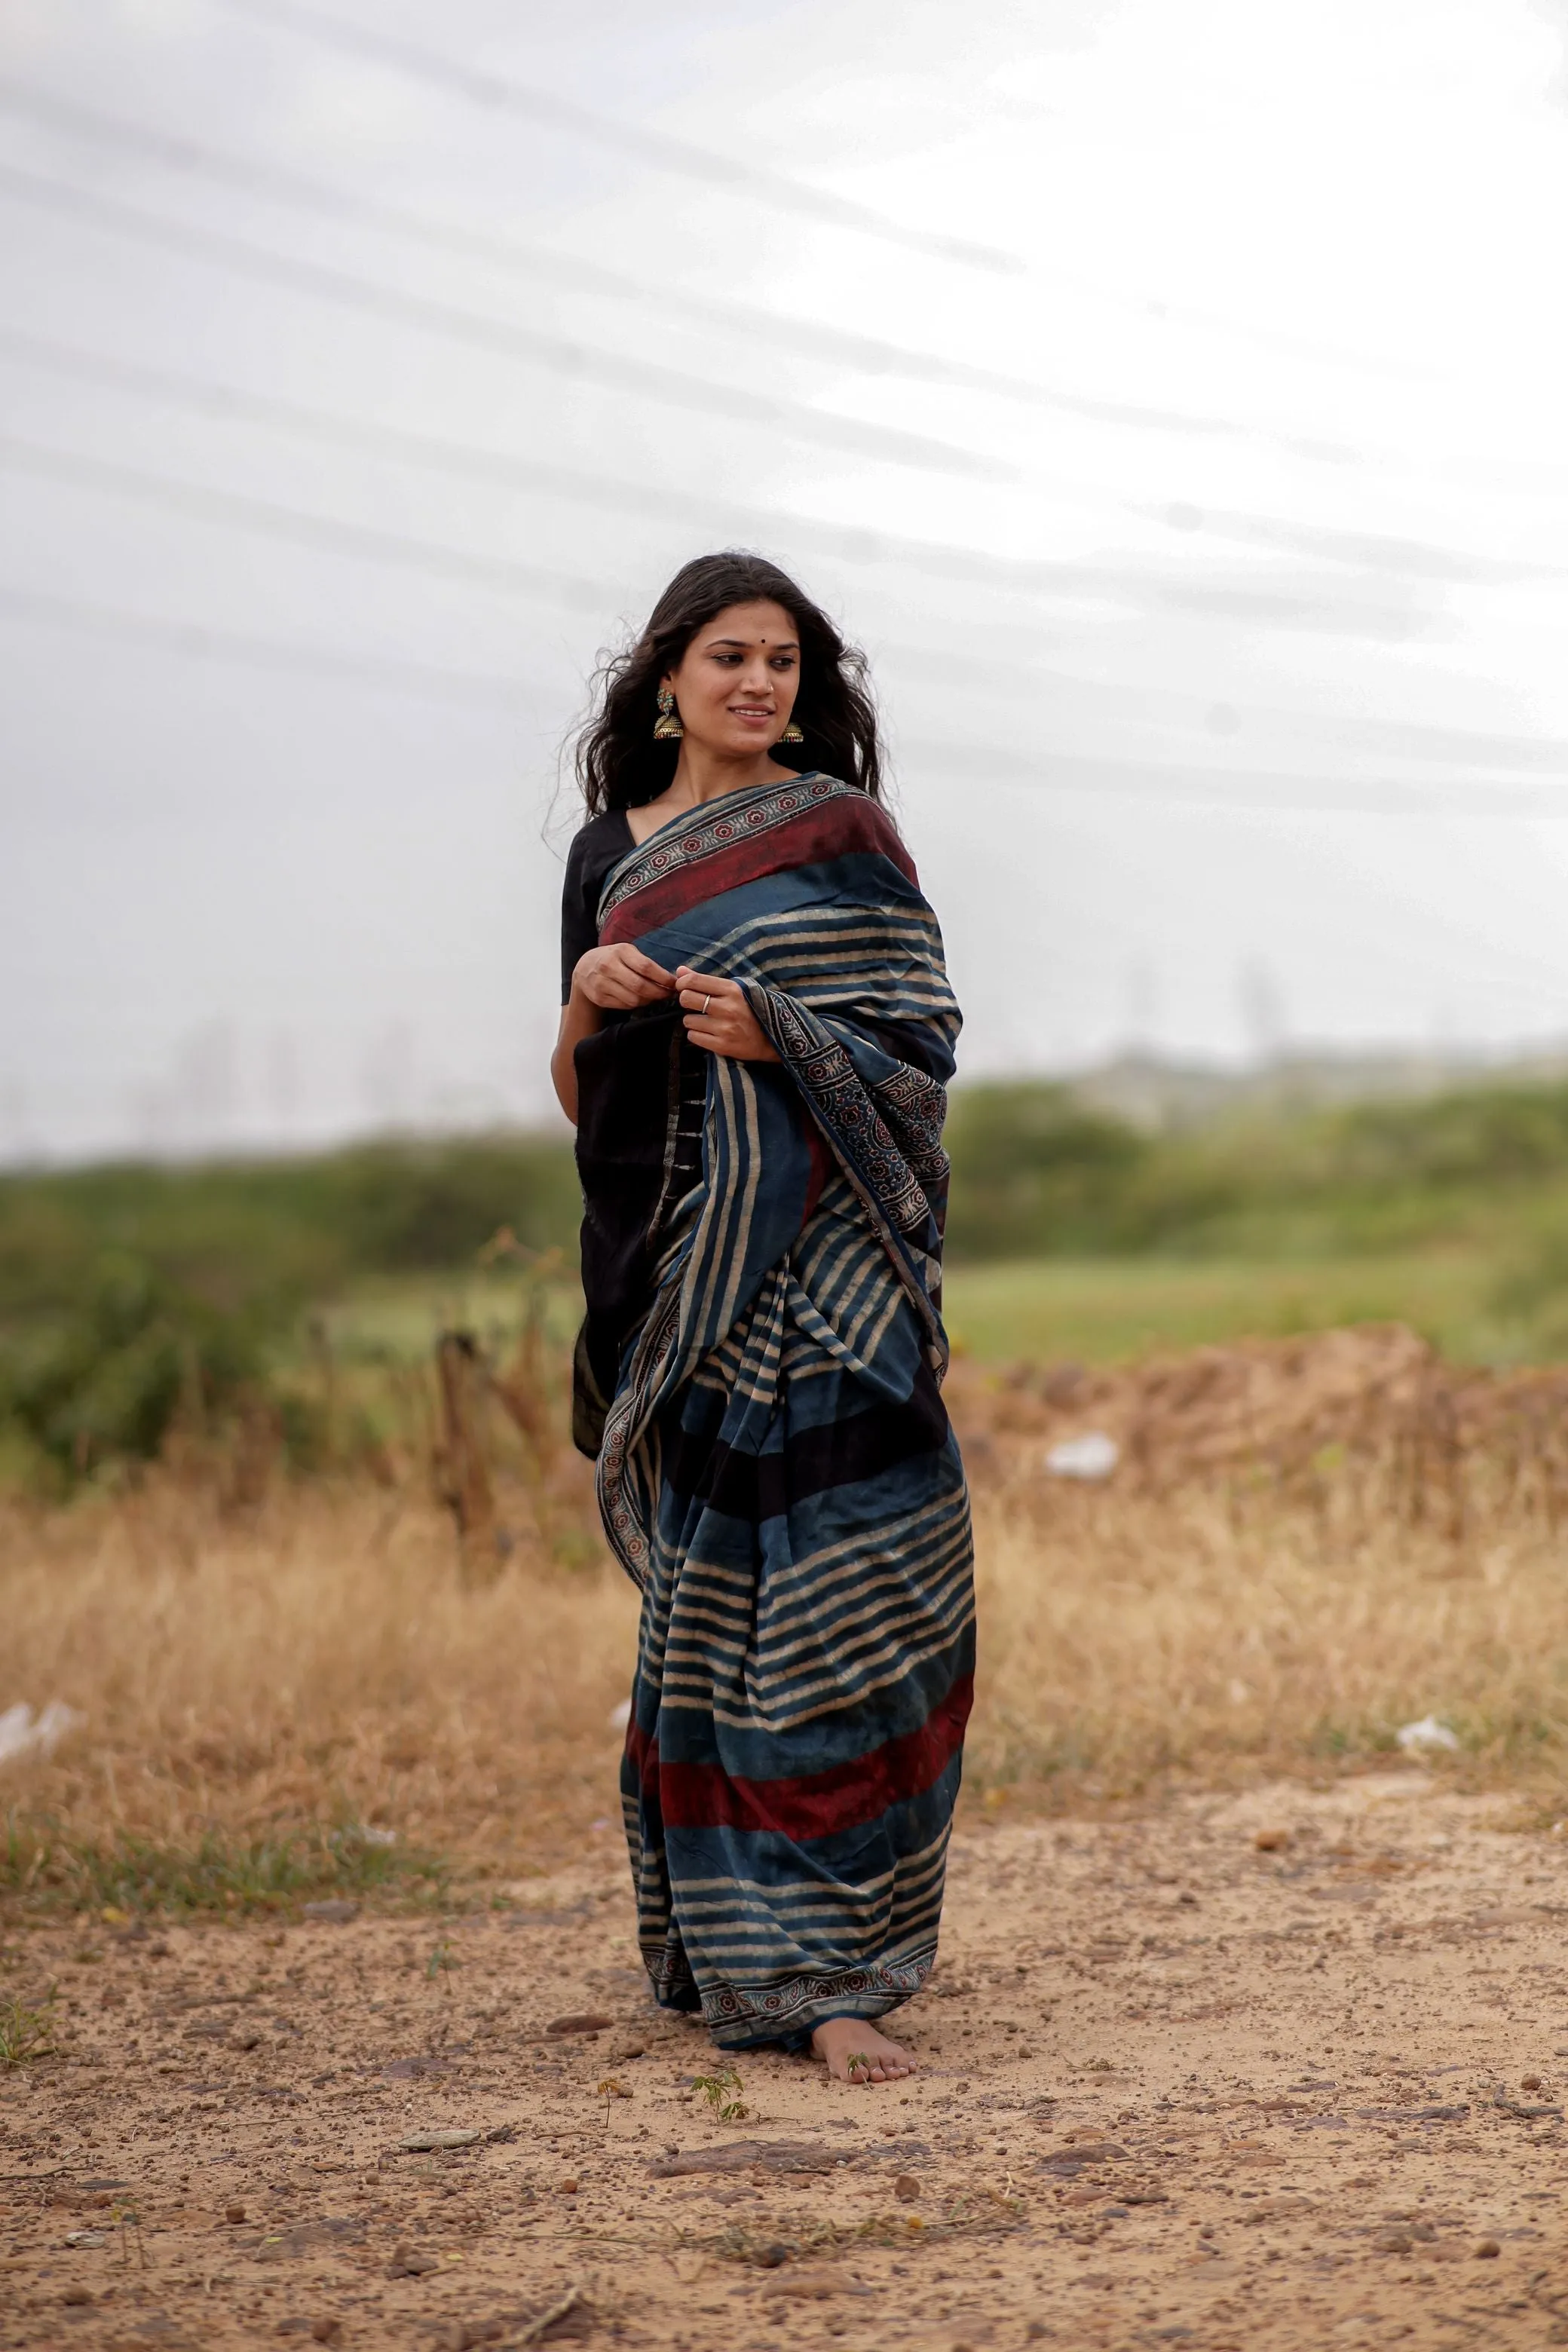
x=620 y=1715
x=23 y=1735
x=1093 y=1455
x=369 y=1836
x=1428 y=1733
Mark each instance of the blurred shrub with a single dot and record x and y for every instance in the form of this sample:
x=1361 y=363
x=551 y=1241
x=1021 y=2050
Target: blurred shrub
x=1489 y=1136
x=107 y=1376
x=393 y=1208
x=133 y=1297
x=1035 y=1174
x=1532 y=1290
x=1033 y=1170
x=233 y=1232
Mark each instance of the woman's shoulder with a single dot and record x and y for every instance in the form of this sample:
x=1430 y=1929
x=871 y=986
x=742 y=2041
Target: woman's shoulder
x=596 y=844
x=609 y=829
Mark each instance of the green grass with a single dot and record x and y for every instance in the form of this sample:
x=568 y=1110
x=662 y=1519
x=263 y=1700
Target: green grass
x=228 y=1876
x=1105 y=1310
x=1035 y=1175
x=398 y=1320
x=723 y=2092
x=24 y=2034
x=1088 y=1309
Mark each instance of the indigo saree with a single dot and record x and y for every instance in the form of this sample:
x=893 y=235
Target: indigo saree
x=759 y=1376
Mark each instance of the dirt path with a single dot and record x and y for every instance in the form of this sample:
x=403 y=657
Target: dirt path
x=1179 y=2089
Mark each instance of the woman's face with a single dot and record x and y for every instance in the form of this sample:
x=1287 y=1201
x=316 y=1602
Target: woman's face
x=735 y=686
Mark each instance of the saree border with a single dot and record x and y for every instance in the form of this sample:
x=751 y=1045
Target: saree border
x=755 y=809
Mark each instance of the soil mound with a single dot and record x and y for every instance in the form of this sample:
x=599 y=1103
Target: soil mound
x=1287 y=1406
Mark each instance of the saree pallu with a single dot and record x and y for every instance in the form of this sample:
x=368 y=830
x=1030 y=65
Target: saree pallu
x=775 y=1469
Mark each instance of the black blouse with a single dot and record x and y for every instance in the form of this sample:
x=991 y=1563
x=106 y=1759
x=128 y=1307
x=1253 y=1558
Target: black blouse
x=642 y=1094
x=602 y=842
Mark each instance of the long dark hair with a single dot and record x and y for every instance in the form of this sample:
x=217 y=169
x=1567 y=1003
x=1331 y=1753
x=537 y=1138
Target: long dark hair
x=619 y=765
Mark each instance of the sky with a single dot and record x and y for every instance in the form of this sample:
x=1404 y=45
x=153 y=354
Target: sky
x=1171 y=401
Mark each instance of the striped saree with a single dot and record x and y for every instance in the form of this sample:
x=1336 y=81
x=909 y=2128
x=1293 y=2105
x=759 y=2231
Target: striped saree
x=776 y=1471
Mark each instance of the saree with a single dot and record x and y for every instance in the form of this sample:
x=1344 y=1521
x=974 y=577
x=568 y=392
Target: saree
x=775 y=1468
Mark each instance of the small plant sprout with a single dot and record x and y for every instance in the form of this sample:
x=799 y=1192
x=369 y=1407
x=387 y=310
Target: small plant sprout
x=130 y=2219
x=610 y=2089
x=855 y=2063
x=441 y=1962
x=722 y=2093
x=24 y=2034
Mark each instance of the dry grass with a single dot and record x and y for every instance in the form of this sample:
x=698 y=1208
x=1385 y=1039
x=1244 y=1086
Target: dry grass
x=1129 y=1637
x=1309 y=1543
x=261 y=1683
x=320 y=1661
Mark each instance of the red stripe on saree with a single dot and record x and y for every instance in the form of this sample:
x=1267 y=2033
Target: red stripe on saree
x=814 y=1804
x=845 y=826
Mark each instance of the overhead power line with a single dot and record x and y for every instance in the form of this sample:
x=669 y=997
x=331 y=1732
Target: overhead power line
x=1256 y=602
x=1266 y=794
x=506 y=94
x=871 y=355
x=1140 y=586
x=493 y=91
x=282 y=183
x=1281 y=793
x=363 y=542
x=970 y=567
x=201 y=641
x=464 y=461
x=649 y=379
x=280 y=521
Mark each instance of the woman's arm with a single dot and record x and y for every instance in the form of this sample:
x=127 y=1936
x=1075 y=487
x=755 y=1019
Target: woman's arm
x=579 y=1019
x=606 y=980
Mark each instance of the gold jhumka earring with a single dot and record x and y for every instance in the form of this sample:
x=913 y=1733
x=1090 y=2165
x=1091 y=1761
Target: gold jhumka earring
x=793 y=734
x=667 y=728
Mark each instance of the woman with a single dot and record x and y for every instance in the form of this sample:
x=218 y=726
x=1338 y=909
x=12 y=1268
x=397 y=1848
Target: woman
x=756 y=1035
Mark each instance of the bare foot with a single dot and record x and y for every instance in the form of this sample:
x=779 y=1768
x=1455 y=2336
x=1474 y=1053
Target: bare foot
x=856 y=2053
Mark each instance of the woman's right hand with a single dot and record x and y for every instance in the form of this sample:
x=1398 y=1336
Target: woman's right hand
x=619 y=978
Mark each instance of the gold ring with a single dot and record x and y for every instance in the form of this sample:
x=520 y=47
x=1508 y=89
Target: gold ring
x=706 y=1002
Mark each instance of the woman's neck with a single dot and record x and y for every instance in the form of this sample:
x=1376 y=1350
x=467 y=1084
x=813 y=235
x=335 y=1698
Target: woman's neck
x=700 y=777
x=703 y=775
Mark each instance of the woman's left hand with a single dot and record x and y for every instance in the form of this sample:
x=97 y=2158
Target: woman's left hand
x=718 y=1019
